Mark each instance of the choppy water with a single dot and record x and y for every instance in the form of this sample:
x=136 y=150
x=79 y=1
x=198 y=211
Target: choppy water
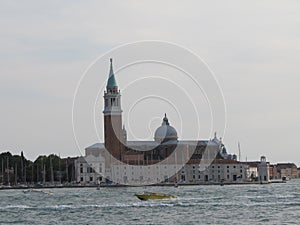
x=233 y=204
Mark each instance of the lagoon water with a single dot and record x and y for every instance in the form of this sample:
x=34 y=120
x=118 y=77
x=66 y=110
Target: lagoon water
x=232 y=204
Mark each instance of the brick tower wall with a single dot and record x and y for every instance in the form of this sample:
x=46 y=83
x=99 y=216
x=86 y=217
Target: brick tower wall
x=114 y=135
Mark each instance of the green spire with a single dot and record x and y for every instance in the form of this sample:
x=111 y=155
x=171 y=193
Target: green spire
x=111 y=83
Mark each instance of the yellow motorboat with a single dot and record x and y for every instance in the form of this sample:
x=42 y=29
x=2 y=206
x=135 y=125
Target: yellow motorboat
x=153 y=195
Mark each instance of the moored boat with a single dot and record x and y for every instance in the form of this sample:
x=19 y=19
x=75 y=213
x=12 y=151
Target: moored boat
x=34 y=191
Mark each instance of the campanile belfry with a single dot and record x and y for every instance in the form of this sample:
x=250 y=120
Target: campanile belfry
x=113 y=133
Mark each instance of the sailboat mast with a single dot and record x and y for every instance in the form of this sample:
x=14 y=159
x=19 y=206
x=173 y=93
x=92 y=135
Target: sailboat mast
x=2 y=167
x=25 y=178
x=51 y=170
x=239 y=147
x=16 y=174
x=32 y=173
x=22 y=171
x=8 y=178
x=177 y=172
x=44 y=174
x=59 y=169
x=67 y=172
x=37 y=173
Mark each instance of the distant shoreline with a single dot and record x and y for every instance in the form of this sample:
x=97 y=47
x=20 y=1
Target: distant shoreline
x=120 y=185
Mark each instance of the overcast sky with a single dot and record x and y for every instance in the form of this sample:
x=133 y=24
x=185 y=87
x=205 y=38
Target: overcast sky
x=253 y=47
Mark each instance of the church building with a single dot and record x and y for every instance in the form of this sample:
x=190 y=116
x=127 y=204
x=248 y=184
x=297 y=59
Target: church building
x=163 y=160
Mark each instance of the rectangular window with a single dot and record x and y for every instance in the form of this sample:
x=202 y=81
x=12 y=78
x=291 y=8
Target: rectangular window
x=91 y=178
x=182 y=177
x=81 y=170
x=206 y=177
x=234 y=177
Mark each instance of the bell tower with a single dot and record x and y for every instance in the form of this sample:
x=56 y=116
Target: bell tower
x=113 y=132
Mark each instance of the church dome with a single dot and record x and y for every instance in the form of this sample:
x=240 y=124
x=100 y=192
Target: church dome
x=165 y=132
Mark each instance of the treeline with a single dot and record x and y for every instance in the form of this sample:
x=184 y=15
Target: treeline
x=16 y=169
